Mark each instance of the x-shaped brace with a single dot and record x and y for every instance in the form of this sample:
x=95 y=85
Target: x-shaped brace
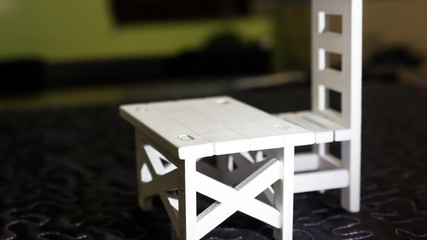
x=165 y=177
x=241 y=198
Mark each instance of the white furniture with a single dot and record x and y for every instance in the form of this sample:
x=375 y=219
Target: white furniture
x=255 y=160
x=172 y=141
x=338 y=121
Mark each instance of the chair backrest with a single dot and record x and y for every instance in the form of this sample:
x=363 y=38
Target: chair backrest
x=337 y=60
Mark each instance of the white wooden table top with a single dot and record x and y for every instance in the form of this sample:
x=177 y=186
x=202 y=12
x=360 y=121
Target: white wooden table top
x=203 y=127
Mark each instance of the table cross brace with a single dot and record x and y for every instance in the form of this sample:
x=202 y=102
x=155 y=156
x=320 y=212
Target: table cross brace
x=241 y=198
x=163 y=179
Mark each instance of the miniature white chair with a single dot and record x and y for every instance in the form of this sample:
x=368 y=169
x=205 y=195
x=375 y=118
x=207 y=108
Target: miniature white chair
x=334 y=121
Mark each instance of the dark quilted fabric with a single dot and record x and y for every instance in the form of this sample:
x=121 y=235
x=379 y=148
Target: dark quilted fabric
x=69 y=173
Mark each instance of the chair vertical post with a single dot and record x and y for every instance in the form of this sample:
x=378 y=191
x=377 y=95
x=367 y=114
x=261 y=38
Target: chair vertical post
x=350 y=196
x=347 y=81
x=351 y=150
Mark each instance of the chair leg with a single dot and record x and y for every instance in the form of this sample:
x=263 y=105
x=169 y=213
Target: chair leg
x=350 y=196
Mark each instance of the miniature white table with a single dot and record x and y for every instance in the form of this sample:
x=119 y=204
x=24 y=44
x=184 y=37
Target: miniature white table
x=173 y=140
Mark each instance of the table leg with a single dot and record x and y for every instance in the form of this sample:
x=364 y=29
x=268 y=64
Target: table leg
x=188 y=201
x=350 y=196
x=284 y=194
x=145 y=203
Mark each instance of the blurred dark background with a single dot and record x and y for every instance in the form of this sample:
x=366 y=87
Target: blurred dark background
x=78 y=52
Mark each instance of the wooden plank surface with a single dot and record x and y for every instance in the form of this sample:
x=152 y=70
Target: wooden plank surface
x=216 y=125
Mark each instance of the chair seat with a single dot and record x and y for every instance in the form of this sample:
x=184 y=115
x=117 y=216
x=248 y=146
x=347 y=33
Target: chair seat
x=325 y=130
x=313 y=171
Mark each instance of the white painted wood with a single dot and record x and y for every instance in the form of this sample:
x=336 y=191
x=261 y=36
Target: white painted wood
x=349 y=47
x=292 y=132
x=166 y=132
x=163 y=179
x=262 y=130
x=209 y=170
x=331 y=42
x=144 y=200
x=188 y=201
x=171 y=208
x=336 y=162
x=284 y=195
x=224 y=139
x=349 y=86
x=157 y=146
x=332 y=79
x=247 y=163
x=306 y=162
x=189 y=130
x=350 y=196
x=192 y=129
x=156 y=163
x=322 y=134
x=209 y=126
x=341 y=133
x=235 y=176
x=241 y=198
x=321 y=180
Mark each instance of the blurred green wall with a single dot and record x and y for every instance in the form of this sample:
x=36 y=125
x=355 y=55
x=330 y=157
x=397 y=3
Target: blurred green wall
x=73 y=30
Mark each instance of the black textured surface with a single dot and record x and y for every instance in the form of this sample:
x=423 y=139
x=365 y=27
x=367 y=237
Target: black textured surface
x=70 y=174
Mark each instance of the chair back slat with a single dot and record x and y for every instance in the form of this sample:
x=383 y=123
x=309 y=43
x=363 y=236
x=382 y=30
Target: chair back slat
x=337 y=60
